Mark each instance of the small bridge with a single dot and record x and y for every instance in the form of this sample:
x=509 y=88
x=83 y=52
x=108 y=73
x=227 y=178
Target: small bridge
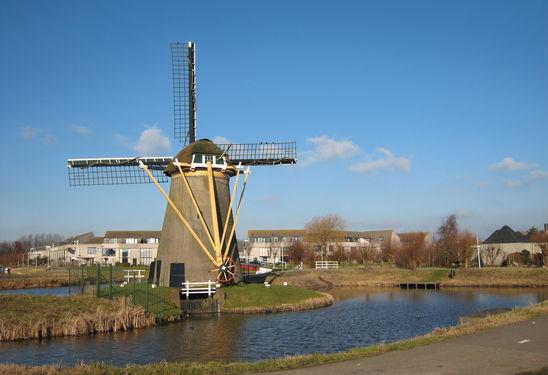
x=420 y=285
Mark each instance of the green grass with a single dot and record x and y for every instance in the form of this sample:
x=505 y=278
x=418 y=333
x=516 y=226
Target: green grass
x=223 y=367
x=258 y=298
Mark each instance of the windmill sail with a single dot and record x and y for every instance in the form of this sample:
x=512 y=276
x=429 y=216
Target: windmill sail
x=183 y=58
x=117 y=171
x=114 y=171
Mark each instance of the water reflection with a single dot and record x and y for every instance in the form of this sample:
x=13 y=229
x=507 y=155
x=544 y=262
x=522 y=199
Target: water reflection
x=359 y=317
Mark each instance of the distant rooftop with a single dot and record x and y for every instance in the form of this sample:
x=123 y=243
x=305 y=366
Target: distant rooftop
x=506 y=235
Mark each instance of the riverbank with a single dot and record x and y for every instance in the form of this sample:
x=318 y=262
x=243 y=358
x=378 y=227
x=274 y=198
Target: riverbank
x=258 y=299
x=216 y=367
x=35 y=317
x=55 y=277
x=392 y=277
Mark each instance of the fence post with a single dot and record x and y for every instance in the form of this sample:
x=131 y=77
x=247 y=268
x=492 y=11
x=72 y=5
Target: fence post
x=82 y=279
x=69 y=280
x=146 y=298
x=110 y=282
x=98 y=283
x=187 y=289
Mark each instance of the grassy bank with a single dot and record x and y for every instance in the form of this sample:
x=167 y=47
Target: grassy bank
x=163 y=302
x=42 y=277
x=390 y=276
x=34 y=317
x=218 y=367
x=255 y=298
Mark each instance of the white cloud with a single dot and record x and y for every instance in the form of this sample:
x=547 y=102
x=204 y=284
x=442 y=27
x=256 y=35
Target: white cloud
x=508 y=164
x=326 y=148
x=220 y=140
x=512 y=184
x=538 y=174
x=49 y=139
x=387 y=160
x=81 y=130
x=532 y=176
x=152 y=141
x=26 y=132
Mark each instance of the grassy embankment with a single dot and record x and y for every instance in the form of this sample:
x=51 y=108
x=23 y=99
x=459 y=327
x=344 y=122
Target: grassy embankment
x=34 y=317
x=391 y=276
x=255 y=298
x=218 y=367
x=41 y=277
x=161 y=301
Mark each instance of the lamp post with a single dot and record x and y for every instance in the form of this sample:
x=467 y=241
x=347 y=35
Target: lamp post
x=478 y=250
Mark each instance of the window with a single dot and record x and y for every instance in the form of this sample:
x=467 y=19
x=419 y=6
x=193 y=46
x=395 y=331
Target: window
x=109 y=252
x=132 y=240
x=92 y=250
x=152 y=240
x=124 y=256
x=198 y=158
x=208 y=158
x=263 y=252
x=111 y=240
x=146 y=256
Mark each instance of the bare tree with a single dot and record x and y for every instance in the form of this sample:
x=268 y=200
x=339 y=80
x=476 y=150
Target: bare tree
x=541 y=239
x=320 y=231
x=410 y=253
x=366 y=252
x=296 y=252
x=465 y=247
x=447 y=244
x=490 y=255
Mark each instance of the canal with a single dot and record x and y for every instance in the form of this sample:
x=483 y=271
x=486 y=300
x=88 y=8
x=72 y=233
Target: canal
x=359 y=317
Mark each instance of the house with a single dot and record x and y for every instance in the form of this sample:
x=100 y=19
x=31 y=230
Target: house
x=273 y=245
x=126 y=247
x=412 y=237
x=505 y=245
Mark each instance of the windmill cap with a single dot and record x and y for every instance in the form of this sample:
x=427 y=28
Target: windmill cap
x=202 y=146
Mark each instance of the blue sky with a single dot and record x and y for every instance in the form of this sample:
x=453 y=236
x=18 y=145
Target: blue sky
x=404 y=112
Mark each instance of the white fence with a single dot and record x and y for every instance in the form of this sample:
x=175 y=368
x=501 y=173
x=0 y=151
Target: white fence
x=131 y=275
x=204 y=287
x=327 y=265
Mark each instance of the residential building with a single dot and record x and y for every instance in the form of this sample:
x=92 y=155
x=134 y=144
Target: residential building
x=125 y=247
x=504 y=242
x=273 y=245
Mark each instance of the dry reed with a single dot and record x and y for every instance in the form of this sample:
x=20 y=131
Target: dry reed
x=54 y=319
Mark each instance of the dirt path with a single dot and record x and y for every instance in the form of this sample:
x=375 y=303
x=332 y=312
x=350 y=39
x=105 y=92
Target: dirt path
x=510 y=349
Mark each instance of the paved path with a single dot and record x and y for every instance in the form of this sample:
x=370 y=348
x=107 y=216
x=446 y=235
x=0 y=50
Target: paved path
x=502 y=350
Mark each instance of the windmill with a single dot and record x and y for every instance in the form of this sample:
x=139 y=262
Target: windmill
x=198 y=232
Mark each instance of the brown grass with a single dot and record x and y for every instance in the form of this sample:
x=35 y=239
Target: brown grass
x=391 y=276
x=36 y=317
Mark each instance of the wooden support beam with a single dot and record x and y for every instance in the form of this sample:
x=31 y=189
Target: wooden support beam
x=214 y=218
x=193 y=198
x=227 y=248
x=179 y=215
x=229 y=211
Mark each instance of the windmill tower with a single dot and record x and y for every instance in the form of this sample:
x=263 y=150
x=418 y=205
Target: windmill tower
x=198 y=240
